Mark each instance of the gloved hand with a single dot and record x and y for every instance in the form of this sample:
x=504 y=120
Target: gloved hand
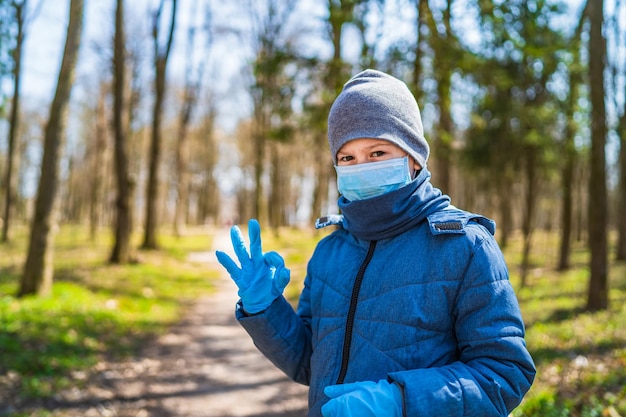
x=363 y=399
x=262 y=277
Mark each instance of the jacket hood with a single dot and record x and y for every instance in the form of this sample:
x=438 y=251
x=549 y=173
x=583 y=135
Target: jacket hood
x=395 y=212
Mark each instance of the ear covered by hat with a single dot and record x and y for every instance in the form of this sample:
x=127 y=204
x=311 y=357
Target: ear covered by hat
x=376 y=105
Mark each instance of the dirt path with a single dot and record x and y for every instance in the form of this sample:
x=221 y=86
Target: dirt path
x=206 y=366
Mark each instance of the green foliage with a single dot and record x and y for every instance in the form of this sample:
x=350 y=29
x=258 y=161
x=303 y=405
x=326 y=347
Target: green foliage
x=516 y=117
x=96 y=309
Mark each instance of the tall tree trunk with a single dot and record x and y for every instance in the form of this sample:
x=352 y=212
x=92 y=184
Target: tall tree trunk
x=421 y=7
x=571 y=156
x=339 y=13
x=620 y=253
x=567 y=182
x=529 y=212
x=160 y=65
x=98 y=163
x=14 y=121
x=443 y=45
x=503 y=185
x=193 y=84
x=121 y=252
x=37 y=276
x=597 y=296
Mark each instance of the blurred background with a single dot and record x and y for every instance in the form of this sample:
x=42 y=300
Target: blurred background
x=133 y=131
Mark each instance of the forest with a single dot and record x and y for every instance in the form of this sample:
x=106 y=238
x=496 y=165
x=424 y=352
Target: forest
x=167 y=115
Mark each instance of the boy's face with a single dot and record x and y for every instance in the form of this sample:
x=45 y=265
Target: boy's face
x=364 y=150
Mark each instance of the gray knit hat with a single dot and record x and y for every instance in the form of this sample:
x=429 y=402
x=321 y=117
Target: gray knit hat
x=376 y=105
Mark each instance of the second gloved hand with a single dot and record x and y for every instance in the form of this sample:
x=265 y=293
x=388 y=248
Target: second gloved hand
x=363 y=399
x=262 y=277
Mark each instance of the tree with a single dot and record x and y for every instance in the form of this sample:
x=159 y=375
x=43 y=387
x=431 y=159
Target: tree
x=569 y=148
x=516 y=114
x=38 y=274
x=121 y=252
x=194 y=72
x=445 y=47
x=7 y=19
x=597 y=295
x=620 y=253
x=618 y=33
x=333 y=75
x=20 y=11
x=161 y=57
x=272 y=90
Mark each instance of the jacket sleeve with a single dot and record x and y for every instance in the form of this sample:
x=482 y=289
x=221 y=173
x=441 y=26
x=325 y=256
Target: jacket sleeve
x=283 y=337
x=494 y=369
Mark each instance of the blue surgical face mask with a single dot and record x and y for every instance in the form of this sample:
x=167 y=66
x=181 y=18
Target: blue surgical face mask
x=361 y=181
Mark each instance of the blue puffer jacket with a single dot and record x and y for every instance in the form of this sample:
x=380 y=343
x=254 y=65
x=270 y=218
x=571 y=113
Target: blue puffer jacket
x=412 y=290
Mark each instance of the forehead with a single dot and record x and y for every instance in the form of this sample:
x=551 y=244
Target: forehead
x=366 y=143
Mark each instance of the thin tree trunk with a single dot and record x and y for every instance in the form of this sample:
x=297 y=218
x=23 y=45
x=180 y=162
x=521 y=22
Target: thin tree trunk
x=620 y=254
x=597 y=296
x=503 y=184
x=529 y=213
x=442 y=45
x=567 y=183
x=568 y=174
x=160 y=63
x=14 y=122
x=37 y=276
x=121 y=252
x=190 y=98
x=98 y=162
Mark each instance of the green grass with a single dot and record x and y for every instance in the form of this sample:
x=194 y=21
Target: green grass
x=96 y=309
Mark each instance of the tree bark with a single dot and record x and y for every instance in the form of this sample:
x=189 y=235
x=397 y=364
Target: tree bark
x=121 y=252
x=14 y=122
x=38 y=273
x=160 y=64
x=567 y=183
x=597 y=296
x=98 y=163
x=620 y=253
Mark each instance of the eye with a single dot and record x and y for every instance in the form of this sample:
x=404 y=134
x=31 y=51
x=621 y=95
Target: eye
x=346 y=158
x=377 y=154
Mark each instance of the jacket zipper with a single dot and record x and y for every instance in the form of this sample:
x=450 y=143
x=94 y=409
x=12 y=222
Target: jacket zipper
x=347 y=339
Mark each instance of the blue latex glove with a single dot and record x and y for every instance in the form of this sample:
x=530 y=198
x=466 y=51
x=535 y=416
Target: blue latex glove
x=363 y=399
x=262 y=277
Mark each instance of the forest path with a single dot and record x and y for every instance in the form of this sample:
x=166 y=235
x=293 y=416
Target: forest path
x=205 y=366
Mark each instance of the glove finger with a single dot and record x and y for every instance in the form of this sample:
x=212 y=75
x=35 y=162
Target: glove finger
x=231 y=267
x=239 y=245
x=273 y=260
x=254 y=232
x=333 y=391
x=282 y=274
